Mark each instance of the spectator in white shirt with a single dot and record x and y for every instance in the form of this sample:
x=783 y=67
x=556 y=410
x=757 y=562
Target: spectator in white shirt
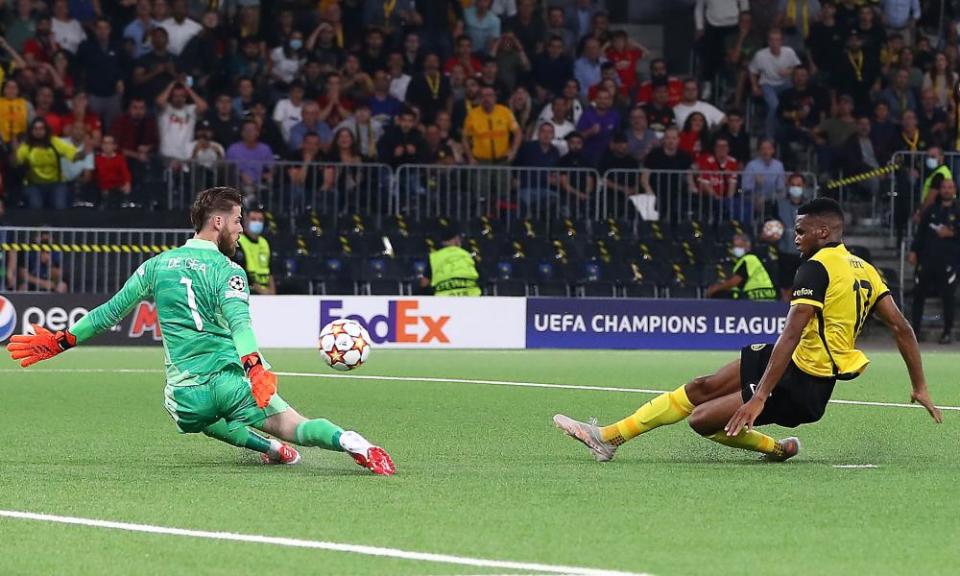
x=180 y=29
x=689 y=104
x=770 y=72
x=288 y=112
x=177 y=121
x=399 y=81
x=67 y=31
x=559 y=118
x=287 y=60
x=714 y=21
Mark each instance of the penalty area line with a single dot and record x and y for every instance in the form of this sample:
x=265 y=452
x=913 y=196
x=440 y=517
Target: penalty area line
x=315 y=544
x=469 y=381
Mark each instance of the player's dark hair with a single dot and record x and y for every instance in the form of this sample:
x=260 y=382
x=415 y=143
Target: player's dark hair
x=821 y=207
x=211 y=201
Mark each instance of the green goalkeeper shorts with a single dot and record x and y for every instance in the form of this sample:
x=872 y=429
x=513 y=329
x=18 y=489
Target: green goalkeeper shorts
x=226 y=395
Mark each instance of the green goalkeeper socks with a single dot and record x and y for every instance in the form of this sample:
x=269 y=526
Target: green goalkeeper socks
x=321 y=433
x=242 y=436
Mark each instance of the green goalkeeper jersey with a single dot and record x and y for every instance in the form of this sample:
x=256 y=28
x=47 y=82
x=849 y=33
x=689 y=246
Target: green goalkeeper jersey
x=202 y=301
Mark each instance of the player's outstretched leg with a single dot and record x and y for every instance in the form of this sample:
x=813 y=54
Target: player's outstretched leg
x=709 y=418
x=667 y=408
x=321 y=433
x=272 y=451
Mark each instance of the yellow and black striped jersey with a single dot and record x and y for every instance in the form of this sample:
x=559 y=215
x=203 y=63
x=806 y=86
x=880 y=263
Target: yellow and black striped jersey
x=844 y=289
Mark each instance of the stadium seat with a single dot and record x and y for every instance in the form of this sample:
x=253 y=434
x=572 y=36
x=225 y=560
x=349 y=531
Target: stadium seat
x=335 y=276
x=382 y=276
x=596 y=281
x=892 y=280
x=549 y=279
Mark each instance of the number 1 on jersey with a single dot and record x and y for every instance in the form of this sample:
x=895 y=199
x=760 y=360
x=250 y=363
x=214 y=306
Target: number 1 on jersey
x=192 y=303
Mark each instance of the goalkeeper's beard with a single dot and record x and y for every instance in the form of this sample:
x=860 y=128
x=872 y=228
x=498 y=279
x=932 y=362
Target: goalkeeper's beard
x=226 y=244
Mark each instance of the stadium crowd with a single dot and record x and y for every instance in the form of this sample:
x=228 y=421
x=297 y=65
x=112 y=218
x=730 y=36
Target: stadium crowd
x=102 y=100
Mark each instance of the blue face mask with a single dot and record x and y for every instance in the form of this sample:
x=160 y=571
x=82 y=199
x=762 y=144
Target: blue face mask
x=255 y=227
x=739 y=251
x=296 y=44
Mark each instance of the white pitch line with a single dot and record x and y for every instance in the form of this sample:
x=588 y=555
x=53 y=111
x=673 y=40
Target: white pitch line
x=317 y=544
x=455 y=381
x=855 y=466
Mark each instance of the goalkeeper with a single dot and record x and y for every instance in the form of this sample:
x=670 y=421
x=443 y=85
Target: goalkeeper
x=217 y=381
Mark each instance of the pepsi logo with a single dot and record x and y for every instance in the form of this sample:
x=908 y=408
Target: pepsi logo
x=8 y=318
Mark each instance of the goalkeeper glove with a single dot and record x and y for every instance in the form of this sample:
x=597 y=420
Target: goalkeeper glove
x=263 y=383
x=41 y=345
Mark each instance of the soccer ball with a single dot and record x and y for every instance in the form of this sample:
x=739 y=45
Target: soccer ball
x=344 y=344
x=772 y=230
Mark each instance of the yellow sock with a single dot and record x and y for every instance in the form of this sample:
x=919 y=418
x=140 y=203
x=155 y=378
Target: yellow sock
x=749 y=440
x=666 y=408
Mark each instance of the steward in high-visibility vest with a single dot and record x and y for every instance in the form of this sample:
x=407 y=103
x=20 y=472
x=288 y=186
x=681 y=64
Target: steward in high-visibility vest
x=254 y=254
x=452 y=270
x=750 y=279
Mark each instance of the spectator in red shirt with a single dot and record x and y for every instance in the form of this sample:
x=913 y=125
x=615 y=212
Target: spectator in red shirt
x=135 y=134
x=464 y=56
x=112 y=174
x=718 y=171
x=658 y=75
x=79 y=112
x=625 y=54
x=335 y=107
x=41 y=48
x=695 y=138
x=43 y=107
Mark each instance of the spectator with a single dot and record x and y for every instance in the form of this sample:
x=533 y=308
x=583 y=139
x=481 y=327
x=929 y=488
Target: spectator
x=374 y=55
x=557 y=28
x=625 y=54
x=401 y=143
x=858 y=73
x=695 y=137
x=934 y=253
x=180 y=29
x=575 y=185
x=39 y=156
x=907 y=63
x=562 y=126
x=15 y=112
x=435 y=148
x=826 y=41
x=764 y=180
x=831 y=133
x=437 y=23
x=527 y=26
x=136 y=136
x=155 y=70
x=512 y=61
x=304 y=170
x=640 y=138
x=600 y=27
x=536 y=188
x=571 y=92
x=288 y=112
x=659 y=76
x=610 y=80
x=247 y=62
x=715 y=20
x=883 y=132
x=898 y=96
x=941 y=80
x=932 y=119
x=689 y=103
x=347 y=179
x=659 y=113
x=357 y=85
x=521 y=106
x=251 y=157
x=42 y=271
x=253 y=254
x=206 y=153
x=445 y=126
x=412 y=54
x=890 y=54
x=223 y=121
x=617 y=158
x=246 y=95
x=936 y=172
x=587 y=67
x=551 y=68
x=910 y=138
x=901 y=15
x=787 y=208
x=860 y=155
x=312 y=80
x=870 y=32
x=112 y=173
x=489 y=76
x=43 y=107
x=461 y=107
x=464 y=56
x=138 y=30
x=365 y=129
x=67 y=31
x=202 y=56
x=794 y=19
x=430 y=91
x=334 y=104
x=311 y=123
x=802 y=107
x=597 y=125
x=668 y=174
x=287 y=60
x=177 y=120
x=770 y=72
x=20 y=25
x=41 y=48
x=324 y=47
x=580 y=17
x=383 y=105
x=718 y=171
x=481 y=24
x=491 y=133
x=78 y=173
x=81 y=114
x=102 y=66
x=269 y=132
x=399 y=80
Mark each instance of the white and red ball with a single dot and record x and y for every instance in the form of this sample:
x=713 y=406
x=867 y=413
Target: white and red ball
x=344 y=344
x=772 y=230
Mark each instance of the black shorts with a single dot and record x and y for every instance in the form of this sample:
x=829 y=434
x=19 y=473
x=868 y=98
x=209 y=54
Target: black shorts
x=797 y=399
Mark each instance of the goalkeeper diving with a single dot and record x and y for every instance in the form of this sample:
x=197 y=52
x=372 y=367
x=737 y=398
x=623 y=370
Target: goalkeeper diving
x=217 y=382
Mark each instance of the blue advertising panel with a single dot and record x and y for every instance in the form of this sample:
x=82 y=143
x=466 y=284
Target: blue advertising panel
x=651 y=324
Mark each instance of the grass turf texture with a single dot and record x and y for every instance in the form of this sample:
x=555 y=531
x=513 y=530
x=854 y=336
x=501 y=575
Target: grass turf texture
x=481 y=473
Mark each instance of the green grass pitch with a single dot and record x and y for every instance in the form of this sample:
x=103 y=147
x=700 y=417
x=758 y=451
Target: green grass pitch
x=482 y=473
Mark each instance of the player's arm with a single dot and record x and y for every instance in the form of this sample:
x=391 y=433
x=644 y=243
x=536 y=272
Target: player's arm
x=797 y=318
x=888 y=312
x=43 y=344
x=235 y=307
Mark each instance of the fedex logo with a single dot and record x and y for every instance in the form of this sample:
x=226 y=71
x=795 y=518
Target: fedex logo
x=401 y=323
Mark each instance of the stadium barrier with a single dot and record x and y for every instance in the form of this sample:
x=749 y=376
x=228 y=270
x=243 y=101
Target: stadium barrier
x=83 y=260
x=447 y=323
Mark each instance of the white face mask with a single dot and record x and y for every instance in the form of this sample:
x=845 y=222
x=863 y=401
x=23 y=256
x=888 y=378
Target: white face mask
x=932 y=163
x=796 y=191
x=739 y=251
